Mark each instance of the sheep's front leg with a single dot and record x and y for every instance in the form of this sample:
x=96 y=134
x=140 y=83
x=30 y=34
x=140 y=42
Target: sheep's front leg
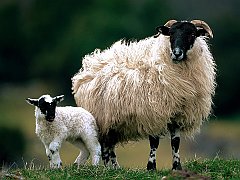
x=175 y=143
x=54 y=157
x=154 y=142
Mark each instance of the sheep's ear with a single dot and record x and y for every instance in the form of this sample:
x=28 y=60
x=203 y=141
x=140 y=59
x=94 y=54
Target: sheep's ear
x=32 y=101
x=59 y=99
x=162 y=30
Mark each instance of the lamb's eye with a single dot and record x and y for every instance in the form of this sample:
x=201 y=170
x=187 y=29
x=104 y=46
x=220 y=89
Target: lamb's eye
x=43 y=110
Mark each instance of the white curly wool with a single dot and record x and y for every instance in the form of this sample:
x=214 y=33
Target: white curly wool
x=136 y=90
x=73 y=124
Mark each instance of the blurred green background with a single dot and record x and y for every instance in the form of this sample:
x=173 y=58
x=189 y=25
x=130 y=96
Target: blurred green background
x=42 y=43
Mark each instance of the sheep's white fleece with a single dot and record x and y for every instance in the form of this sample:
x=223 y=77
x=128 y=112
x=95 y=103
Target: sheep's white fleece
x=136 y=89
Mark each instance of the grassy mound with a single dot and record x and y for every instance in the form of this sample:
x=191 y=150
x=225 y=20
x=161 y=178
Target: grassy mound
x=193 y=169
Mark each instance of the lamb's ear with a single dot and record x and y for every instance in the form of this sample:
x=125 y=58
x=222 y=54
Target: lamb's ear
x=162 y=30
x=58 y=99
x=32 y=101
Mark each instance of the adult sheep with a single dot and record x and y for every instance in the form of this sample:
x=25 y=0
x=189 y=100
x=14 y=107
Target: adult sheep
x=159 y=85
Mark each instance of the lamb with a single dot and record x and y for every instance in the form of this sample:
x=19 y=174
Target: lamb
x=161 y=85
x=57 y=124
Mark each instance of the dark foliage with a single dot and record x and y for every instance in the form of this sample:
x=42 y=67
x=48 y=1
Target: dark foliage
x=12 y=143
x=46 y=40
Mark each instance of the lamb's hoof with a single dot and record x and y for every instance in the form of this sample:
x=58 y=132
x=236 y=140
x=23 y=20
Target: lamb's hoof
x=75 y=164
x=151 y=166
x=56 y=166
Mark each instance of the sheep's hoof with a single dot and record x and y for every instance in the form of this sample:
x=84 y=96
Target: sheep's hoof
x=177 y=166
x=151 y=166
x=116 y=166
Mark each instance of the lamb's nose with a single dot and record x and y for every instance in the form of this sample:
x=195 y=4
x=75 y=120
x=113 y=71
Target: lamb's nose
x=50 y=118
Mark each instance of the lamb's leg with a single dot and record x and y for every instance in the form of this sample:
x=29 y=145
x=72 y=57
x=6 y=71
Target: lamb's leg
x=175 y=142
x=154 y=142
x=55 y=160
x=113 y=157
x=48 y=153
x=94 y=148
x=84 y=153
x=96 y=154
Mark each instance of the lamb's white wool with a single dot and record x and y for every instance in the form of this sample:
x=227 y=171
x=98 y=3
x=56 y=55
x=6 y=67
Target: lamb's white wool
x=73 y=124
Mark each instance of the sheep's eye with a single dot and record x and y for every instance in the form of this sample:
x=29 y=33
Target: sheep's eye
x=191 y=37
x=192 y=34
x=170 y=32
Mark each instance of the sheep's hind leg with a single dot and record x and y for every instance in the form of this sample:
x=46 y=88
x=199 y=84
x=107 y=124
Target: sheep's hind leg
x=154 y=142
x=175 y=142
x=105 y=150
x=113 y=157
x=108 y=155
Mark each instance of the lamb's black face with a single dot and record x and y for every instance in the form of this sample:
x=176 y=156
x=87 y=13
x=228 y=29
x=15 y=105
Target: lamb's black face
x=182 y=38
x=47 y=106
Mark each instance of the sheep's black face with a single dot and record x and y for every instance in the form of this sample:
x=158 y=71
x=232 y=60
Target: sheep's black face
x=47 y=107
x=182 y=38
x=183 y=35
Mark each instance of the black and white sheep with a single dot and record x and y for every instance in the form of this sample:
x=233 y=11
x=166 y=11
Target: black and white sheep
x=158 y=85
x=57 y=124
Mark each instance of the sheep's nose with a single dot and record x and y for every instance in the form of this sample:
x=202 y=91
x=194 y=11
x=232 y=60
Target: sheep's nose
x=177 y=52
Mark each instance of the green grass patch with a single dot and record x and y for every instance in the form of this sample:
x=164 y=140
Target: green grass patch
x=85 y=172
x=216 y=168
x=194 y=169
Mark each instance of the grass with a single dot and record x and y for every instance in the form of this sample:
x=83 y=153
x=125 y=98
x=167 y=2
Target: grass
x=16 y=113
x=193 y=169
x=216 y=168
x=83 y=172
